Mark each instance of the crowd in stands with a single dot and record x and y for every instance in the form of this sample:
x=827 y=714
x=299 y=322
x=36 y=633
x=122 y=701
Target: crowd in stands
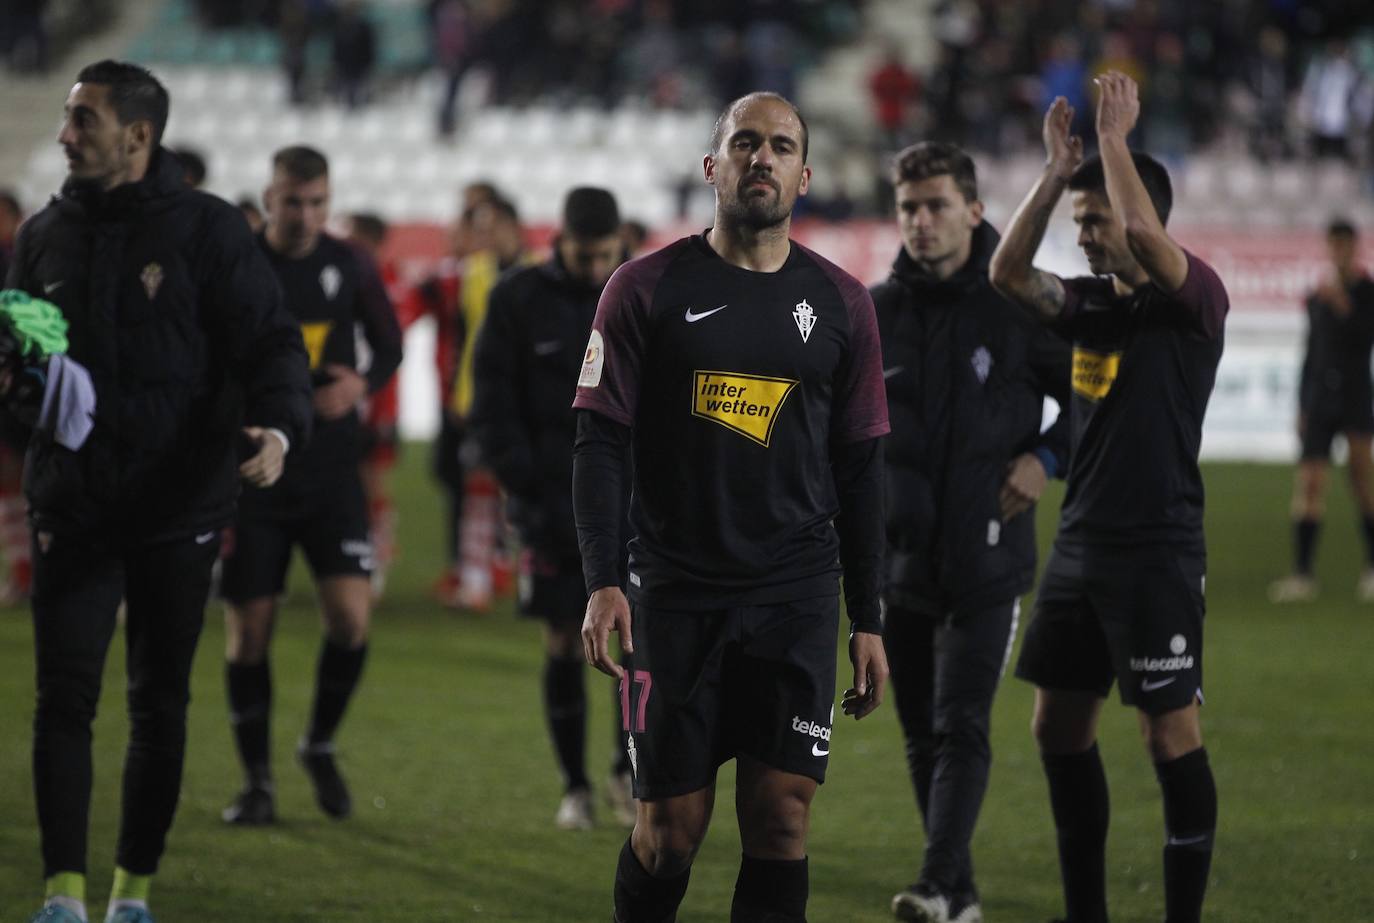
x=1287 y=77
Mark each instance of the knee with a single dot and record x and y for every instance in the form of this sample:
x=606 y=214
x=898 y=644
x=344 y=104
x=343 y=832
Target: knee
x=67 y=698
x=157 y=715
x=563 y=642
x=347 y=626
x=1168 y=738
x=776 y=828
x=666 y=846
x=1054 y=735
x=248 y=633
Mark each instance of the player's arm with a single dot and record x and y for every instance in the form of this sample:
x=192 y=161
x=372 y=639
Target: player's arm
x=857 y=468
x=600 y=470
x=1118 y=108
x=496 y=420
x=1048 y=457
x=260 y=343
x=381 y=325
x=1012 y=271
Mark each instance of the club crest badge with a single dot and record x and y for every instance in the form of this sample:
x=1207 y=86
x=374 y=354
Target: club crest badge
x=330 y=280
x=151 y=277
x=982 y=364
x=805 y=316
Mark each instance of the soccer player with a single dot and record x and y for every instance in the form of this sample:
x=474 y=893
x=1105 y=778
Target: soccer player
x=525 y=370
x=745 y=372
x=966 y=373
x=1121 y=598
x=319 y=503
x=173 y=311
x=1335 y=395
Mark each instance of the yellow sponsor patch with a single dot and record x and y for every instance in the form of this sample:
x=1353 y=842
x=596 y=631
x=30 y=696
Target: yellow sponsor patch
x=747 y=404
x=315 y=335
x=1094 y=373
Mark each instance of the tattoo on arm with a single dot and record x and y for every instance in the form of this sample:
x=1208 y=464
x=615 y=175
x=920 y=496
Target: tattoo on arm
x=1045 y=293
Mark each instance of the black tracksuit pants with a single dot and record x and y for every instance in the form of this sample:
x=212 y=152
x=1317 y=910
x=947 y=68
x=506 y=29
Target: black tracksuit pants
x=945 y=671
x=77 y=587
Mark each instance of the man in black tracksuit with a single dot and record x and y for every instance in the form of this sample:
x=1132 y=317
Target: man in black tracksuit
x=526 y=365
x=966 y=376
x=176 y=315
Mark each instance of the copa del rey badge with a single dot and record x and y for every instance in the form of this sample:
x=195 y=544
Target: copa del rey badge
x=151 y=277
x=805 y=316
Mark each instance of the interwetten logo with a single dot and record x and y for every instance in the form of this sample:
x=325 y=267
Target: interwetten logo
x=315 y=333
x=747 y=404
x=1094 y=373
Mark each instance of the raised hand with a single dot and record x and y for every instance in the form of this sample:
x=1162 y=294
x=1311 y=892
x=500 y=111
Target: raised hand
x=1118 y=104
x=1063 y=151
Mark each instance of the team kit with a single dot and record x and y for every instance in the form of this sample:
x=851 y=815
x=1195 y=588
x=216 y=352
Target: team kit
x=752 y=444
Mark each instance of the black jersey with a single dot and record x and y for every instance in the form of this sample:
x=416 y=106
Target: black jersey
x=1335 y=367
x=736 y=385
x=1143 y=369
x=332 y=292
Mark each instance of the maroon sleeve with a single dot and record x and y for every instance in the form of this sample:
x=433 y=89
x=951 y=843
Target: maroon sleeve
x=1203 y=297
x=859 y=408
x=609 y=381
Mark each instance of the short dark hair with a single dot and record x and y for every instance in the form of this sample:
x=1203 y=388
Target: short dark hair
x=928 y=159
x=718 y=132
x=192 y=164
x=10 y=203
x=369 y=226
x=499 y=204
x=301 y=163
x=1089 y=177
x=1342 y=227
x=135 y=94
x=589 y=212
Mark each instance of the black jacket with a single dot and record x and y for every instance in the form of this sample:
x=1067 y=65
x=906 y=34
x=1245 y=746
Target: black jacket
x=966 y=374
x=179 y=319
x=528 y=355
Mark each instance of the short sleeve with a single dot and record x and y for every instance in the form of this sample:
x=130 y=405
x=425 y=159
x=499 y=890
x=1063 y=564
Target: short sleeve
x=1204 y=297
x=609 y=380
x=860 y=401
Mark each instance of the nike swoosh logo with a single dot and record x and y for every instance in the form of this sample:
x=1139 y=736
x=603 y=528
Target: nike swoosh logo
x=817 y=751
x=202 y=539
x=53 y=286
x=547 y=348
x=693 y=318
x=1188 y=840
x=895 y=370
x=1147 y=686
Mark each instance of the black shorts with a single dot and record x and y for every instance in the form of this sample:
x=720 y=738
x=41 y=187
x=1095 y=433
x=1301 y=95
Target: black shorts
x=1322 y=423
x=1131 y=614
x=704 y=687
x=328 y=522
x=551 y=588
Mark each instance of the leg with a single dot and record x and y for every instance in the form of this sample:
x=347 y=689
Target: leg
x=970 y=654
x=656 y=861
x=1065 y=728
x=248 y=626
x=76 y=591
x=1362 y=485
x=346 y=610
x=774 y=810
x=1174 y=740
x=909 y=639
x=1309 y=506
x=565 y=704
x=167 y=588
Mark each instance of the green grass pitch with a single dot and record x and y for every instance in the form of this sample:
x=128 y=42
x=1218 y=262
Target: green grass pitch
x=455 y=787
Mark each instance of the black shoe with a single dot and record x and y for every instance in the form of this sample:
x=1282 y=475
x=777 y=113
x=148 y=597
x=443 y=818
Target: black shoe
x=331 y=793
x=251 y=807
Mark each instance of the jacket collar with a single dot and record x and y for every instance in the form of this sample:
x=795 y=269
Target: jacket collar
x=908 y=272
x=163 y=180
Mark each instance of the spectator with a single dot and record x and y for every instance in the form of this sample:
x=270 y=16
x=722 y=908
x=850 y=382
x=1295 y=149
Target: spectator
x=355 y=53
x=192 y=166
x=1328 y=91
x=1266 y=79
x=452 y=31
x=895 y=91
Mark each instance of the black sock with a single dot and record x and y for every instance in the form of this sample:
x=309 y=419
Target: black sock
x=1305 y=544
x=565 y=708
x=1081 y=808
x=1190 y=820
x=770 y=891
x=1367 y=527
x=642 y=898
x=621 y=765
x=335 y=679
x=249 y=689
